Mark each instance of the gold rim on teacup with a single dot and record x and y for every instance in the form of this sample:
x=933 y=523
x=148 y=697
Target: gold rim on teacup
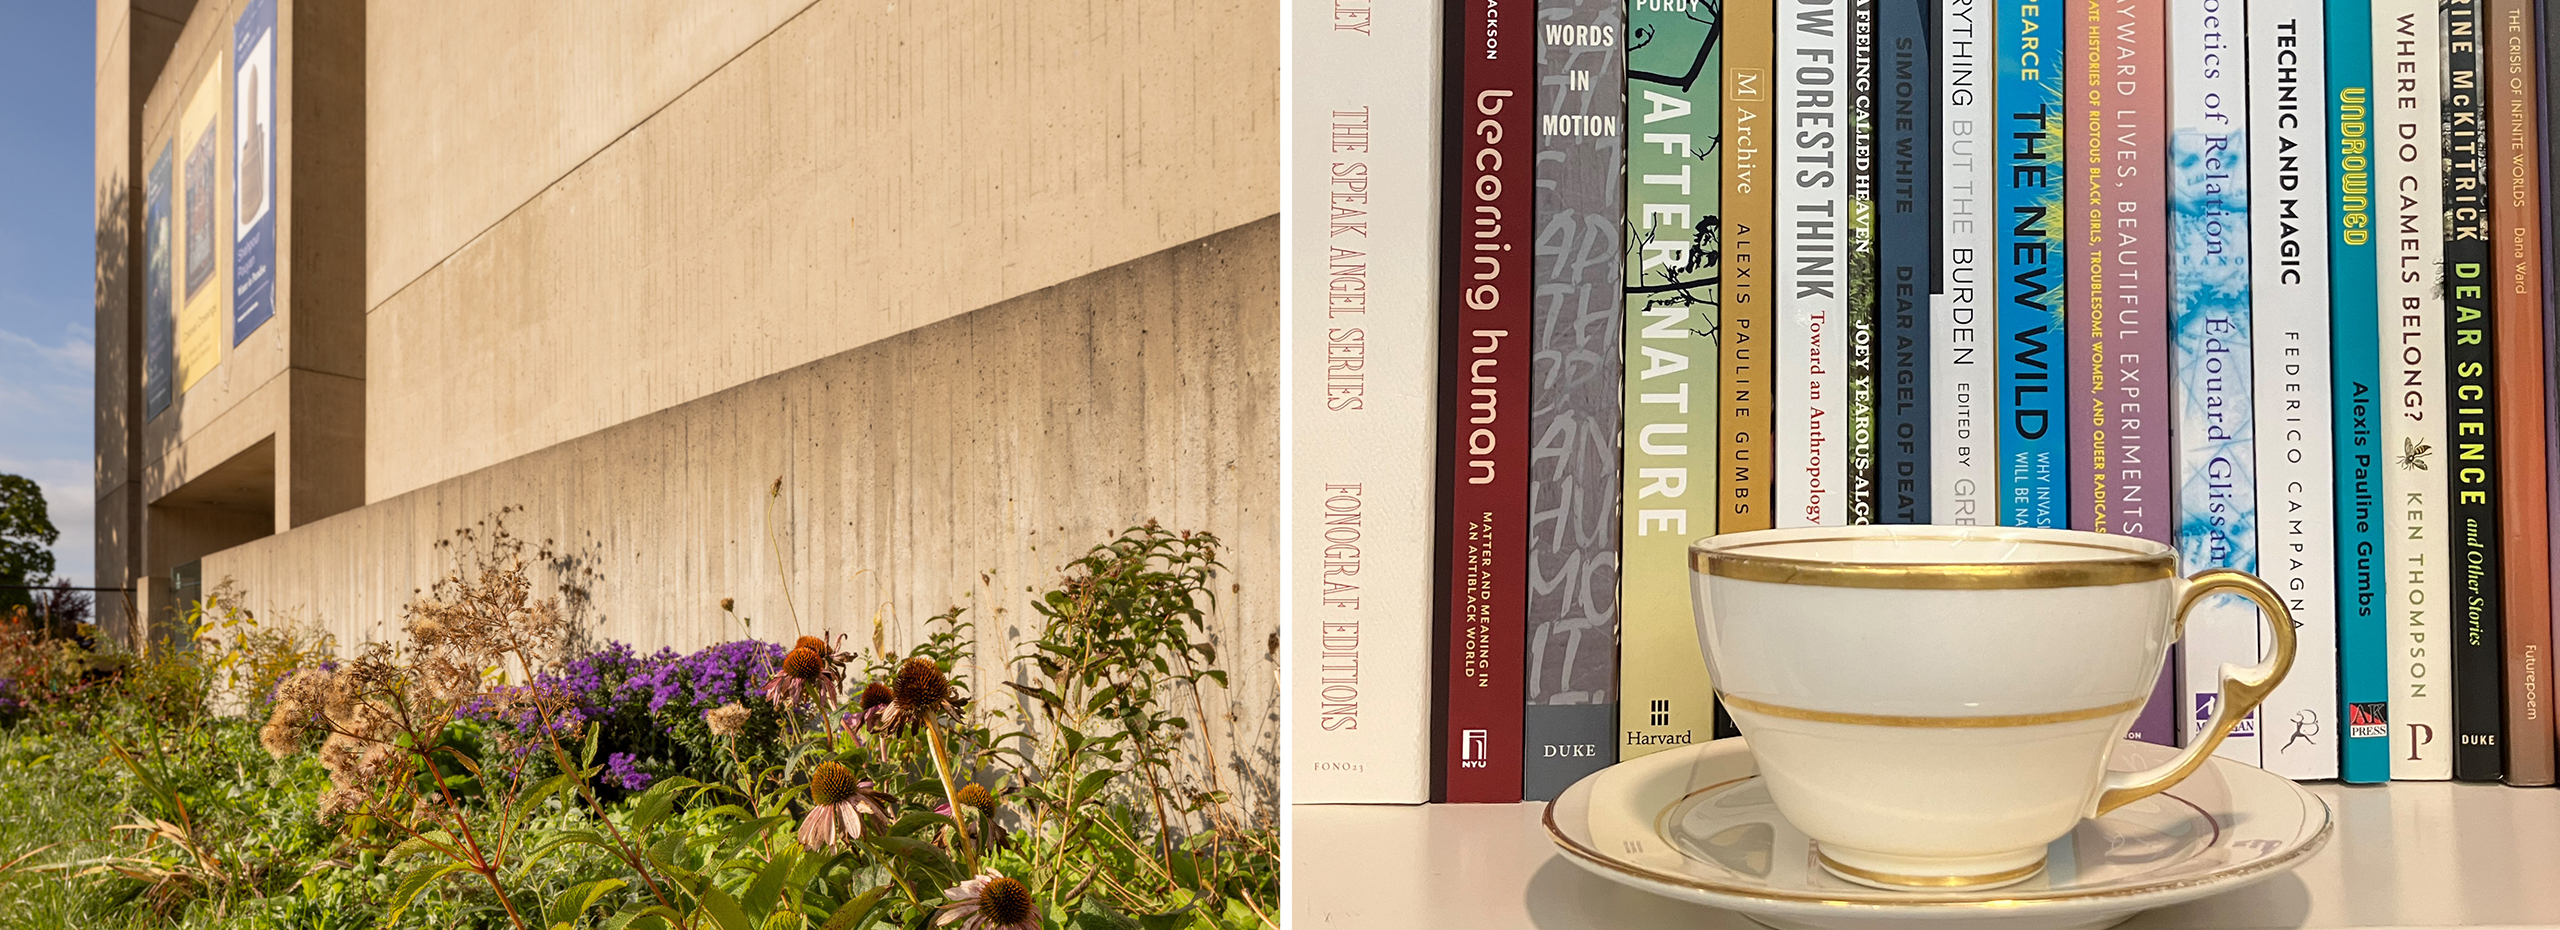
x=2118 y=560
x=1910 y=721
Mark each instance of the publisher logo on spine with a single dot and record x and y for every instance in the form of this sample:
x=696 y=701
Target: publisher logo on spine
x=1658 y=714
x=2369 y=720
x=2205 y=703
x=1471 y=749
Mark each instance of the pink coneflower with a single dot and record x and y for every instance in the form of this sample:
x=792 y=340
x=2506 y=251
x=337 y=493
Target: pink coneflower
x=836 y=805
x=820 y=645
x=990 y=834
x=875 y=700
x=989 y=901
x=919 y=692
x=805 y=672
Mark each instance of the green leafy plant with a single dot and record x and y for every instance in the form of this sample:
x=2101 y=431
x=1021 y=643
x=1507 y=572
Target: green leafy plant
x=870 y=788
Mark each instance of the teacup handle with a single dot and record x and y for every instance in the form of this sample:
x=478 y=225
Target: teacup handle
x=2242 y=688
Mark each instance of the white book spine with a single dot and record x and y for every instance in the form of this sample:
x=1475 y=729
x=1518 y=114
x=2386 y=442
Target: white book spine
x=2409 y=218
x=2210 y=349
x=1812 y=371
x=1962 y=379
x=1361 y=245
x=2289 y=288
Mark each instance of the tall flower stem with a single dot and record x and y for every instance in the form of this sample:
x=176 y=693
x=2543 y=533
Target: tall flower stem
x=951 y=791
x=630 y=852
x=479 y=859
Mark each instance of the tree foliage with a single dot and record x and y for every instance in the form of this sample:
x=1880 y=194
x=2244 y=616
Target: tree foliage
x=26 y=540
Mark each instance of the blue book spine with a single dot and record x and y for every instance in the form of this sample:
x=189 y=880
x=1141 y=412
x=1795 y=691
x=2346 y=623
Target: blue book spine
x=2355 y=374
x=1906 y=248
x=2029 y=116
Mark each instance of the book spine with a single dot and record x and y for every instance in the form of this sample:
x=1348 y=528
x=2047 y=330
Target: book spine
x=1489 y=218
x=1961 y=375
x=1748 y=288
x=1906 y=247
x=2033 y=472
x=1863 y=490
x=1671 y=319
x=2216 y=440
x=2523 y=518
x=2407 y=45
x=2542 y=50
x=2289 y=287
x=1363 y=331
x=2128 y=449
x=2355 y=354
x=1813 y=245
x=2551 y=308
x=2084 y=255
x=2479 y=658
x=1575 y=411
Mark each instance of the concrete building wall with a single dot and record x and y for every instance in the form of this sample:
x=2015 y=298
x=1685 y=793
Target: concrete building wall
x=481 y=105
x=272 y=436
x=134 y=42
x=579 y=219
x=956 y=463
x=982 y=285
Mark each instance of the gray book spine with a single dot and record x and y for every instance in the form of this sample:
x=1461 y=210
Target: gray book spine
x=1575 y=416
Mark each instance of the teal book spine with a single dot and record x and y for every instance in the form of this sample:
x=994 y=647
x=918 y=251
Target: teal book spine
x=2355 y=373
x=2033 y=474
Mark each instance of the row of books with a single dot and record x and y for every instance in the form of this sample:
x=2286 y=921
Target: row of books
x=1572 y=284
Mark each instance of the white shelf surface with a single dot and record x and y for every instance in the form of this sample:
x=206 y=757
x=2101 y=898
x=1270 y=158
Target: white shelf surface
x=2404 y=855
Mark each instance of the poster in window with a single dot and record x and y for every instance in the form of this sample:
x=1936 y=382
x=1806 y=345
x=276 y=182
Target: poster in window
x=158 y=355
x=200 y=317
x=253 y=166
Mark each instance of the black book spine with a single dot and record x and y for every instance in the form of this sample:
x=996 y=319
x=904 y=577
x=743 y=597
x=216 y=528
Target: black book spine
x=1906 y=248
x=2479 y=651
x=1863 y=496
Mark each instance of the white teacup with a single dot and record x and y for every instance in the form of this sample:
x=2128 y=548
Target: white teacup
x=1935 y=704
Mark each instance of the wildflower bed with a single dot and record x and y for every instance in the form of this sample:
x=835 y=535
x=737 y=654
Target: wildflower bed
x=747 y=785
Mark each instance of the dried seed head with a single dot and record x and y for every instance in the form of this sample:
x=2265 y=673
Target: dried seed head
x=1007 y=901
x=304 y=689
x=337 y=801
x=279 y=736
x=830 y=783
x=920 y=686
x=804 y=663
x=727 y=719
x=728 y=605
x=876 y=694
x=342 y=694
x=812 y=644
x=974 y=795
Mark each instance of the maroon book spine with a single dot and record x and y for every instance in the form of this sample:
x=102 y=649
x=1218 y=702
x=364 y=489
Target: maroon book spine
x=2121 y=343
x=1488 y=211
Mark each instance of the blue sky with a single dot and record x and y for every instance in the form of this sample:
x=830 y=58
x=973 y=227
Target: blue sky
x=47 y=257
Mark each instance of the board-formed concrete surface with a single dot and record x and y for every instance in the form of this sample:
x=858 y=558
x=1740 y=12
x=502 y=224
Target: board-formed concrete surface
x=956 y=463
x=863 y=169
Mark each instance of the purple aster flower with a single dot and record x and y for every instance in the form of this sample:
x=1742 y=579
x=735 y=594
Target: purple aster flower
x=623 y=770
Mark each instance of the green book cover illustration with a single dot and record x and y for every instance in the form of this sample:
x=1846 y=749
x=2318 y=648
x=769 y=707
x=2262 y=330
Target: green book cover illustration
x=1674 y=122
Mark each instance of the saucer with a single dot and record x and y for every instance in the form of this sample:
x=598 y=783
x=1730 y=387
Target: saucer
x=1696 y=824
